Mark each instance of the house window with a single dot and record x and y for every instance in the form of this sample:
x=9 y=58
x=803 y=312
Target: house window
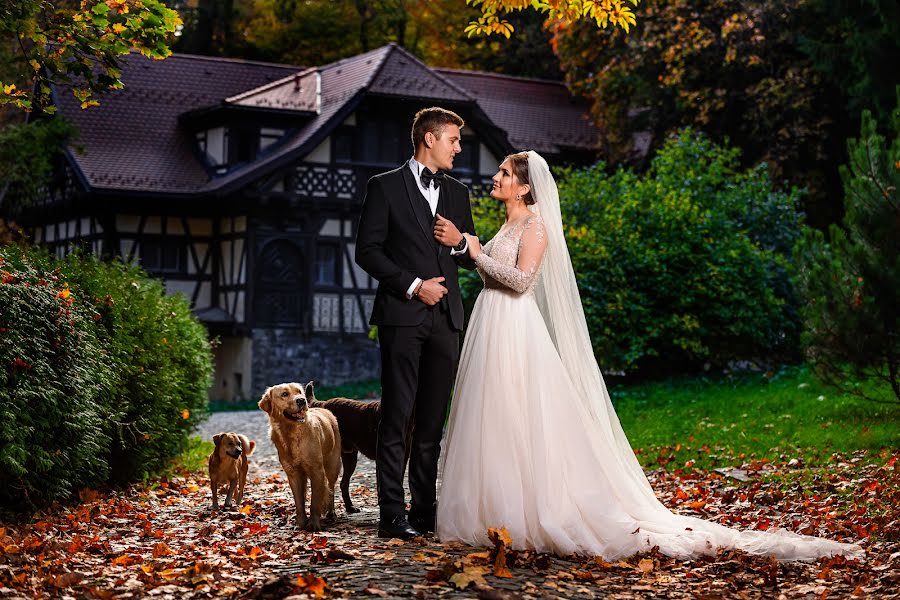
x=163 y=256
x=467 y=160
x=383 y=143
x=213 y=144
x=268 y=136
x=326 y=264
x=342 y=144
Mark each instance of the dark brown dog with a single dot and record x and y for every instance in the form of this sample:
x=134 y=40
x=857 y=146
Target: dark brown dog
x=228 y=465
x=358 y=423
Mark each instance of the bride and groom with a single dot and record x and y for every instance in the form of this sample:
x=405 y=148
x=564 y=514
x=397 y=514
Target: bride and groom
x=533 y=442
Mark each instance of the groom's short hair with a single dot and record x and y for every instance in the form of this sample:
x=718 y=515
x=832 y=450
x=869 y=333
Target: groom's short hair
x=433 y=119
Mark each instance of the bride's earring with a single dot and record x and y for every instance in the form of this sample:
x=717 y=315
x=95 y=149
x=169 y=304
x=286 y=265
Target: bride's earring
x=518 y=197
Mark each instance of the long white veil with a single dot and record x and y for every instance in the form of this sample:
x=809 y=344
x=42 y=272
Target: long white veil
x=560 y=305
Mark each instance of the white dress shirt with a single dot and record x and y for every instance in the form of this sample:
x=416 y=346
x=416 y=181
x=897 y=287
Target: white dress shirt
x=430 y=194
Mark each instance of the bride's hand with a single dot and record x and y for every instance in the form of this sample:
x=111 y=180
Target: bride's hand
x=474 y=245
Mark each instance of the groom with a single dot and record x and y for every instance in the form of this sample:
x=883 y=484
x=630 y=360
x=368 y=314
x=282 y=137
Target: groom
x=418 y=311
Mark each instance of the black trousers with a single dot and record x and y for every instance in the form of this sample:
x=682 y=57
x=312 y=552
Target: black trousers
x=418 y=366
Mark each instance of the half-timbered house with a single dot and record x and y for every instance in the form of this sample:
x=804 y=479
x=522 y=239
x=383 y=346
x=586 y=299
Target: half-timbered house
x=239 y=184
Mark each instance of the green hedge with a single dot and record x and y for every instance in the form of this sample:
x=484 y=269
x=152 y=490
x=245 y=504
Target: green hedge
x=683 y=266
x=102 y=376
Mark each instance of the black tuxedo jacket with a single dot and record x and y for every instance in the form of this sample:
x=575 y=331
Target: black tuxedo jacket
x=395 y=244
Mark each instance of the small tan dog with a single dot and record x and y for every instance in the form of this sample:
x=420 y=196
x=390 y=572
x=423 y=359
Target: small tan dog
x=228 y=464
x=309 y=447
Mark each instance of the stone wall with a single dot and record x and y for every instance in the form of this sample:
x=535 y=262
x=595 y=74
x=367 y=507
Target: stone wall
x=281 y=355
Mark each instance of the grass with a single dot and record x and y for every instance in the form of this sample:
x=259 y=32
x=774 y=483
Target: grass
x=191 y=460
x=722 y=421
x=361 y=389
x=725 y=421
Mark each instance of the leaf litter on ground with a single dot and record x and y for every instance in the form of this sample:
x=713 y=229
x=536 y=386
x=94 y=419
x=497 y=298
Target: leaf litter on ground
x=163 y=539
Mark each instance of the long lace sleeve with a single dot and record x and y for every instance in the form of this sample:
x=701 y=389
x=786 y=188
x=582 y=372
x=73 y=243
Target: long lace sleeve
x=532 y=245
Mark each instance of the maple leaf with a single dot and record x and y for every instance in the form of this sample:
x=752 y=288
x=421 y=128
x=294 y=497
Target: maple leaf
x=645 y=566
x=470 y=574
x=311 y=584
x=126 y=560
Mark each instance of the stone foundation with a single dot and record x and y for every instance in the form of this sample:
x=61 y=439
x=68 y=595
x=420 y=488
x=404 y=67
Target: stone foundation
x=281 y=355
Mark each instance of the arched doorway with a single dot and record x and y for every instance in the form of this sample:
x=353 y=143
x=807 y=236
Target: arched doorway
x=280 y=291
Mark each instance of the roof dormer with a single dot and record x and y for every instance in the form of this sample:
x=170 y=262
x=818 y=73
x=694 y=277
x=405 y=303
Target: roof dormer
x=251 y=124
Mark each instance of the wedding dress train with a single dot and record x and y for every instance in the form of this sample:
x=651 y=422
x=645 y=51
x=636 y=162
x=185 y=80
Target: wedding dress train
x=526 y=449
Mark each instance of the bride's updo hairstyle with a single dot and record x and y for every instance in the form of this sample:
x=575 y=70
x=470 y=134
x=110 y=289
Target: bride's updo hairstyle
x=519 y=162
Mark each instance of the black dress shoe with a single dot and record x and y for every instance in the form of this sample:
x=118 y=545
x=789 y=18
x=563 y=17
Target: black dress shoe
x=396 y=527
x=422 y=523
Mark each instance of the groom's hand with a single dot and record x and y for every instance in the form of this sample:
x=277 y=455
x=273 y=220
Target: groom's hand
x=445 y=232
x=432 y=291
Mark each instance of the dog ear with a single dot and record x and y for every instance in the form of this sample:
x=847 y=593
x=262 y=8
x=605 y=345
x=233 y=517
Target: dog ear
x=310 y=393
x=265 y=403
x=218 y=438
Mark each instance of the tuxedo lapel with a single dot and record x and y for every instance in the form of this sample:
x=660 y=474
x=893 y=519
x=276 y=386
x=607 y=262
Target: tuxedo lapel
x=443 y=200
x=418 y=203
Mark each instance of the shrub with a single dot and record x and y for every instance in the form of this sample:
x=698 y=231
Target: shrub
x=53 y=382
x=684 y=265
x=161 y=357
x=110 y=379
x=852 y=283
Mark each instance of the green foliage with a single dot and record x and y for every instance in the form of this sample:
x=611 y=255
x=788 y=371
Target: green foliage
x=856 y=47
x=104 y=375
x=686 y=265
x=852 y=282
x=54 y=380
x=740 y=72
x=726 y=421
x=78 y=46
x=488 y=215
x=27 y=152
x=162 y=361
x=683 y=266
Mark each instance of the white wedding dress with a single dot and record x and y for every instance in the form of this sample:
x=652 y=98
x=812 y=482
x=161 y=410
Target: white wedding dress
x=533 y=443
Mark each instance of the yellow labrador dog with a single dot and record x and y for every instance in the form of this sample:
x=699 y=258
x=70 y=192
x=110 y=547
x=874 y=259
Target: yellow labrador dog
x=309 y=447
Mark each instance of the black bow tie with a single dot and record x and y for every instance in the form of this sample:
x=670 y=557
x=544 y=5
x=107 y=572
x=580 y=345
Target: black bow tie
x=426 y=177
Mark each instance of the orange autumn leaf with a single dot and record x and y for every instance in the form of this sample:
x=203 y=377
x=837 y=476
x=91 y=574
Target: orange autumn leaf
x=697 y=505
x=645 y=566
x=161 y=549
x=246 y=509
x=681 y=494
x=185 y=414
x=88 y=495
x=255 y=552
x=126 y=560
x=500 y=534
x=310 y=584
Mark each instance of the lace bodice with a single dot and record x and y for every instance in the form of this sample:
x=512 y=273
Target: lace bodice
x=512 y=259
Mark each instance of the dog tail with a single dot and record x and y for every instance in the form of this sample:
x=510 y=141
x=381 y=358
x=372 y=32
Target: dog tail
x=252 y=448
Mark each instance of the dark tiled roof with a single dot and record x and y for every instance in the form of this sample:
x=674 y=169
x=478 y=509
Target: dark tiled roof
x=386 y=70
x=132 y=140
x=296 y=92
x=537 y=114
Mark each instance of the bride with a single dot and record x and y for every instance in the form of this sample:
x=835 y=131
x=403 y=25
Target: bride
x=533 y=442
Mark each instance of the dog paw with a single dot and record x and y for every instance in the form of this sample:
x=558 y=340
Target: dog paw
x=352 y=510
x=313 y=526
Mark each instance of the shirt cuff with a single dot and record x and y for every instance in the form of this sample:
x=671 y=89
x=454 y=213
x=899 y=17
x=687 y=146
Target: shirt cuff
x=412 y=288
x=455 y=252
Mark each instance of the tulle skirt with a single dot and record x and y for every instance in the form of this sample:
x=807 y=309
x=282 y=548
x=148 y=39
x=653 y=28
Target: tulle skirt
x=521 y=453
